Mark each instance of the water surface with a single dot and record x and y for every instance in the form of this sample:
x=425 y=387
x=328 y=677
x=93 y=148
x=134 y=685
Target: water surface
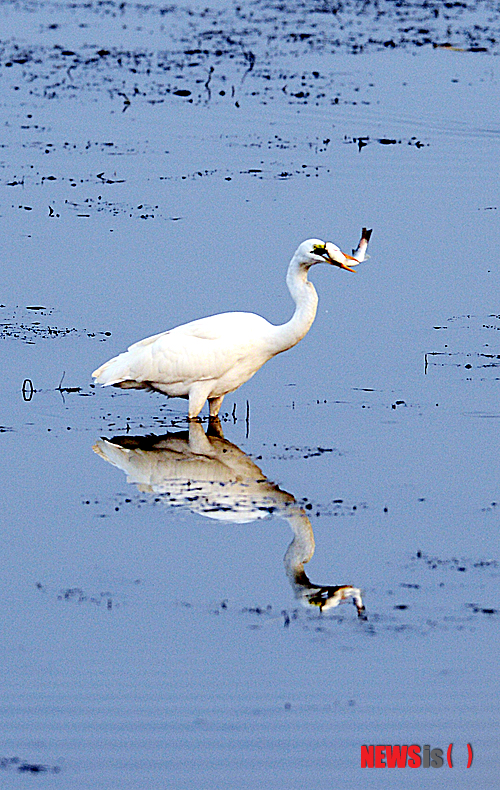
x=169 y=616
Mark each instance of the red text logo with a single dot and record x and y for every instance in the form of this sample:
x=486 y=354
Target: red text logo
x=404 y=756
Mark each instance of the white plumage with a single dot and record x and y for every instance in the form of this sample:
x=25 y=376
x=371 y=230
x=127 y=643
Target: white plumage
x=205 y=359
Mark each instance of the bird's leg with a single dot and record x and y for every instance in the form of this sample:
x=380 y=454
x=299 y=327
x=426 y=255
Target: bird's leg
x=215 y=404
x=198 y=394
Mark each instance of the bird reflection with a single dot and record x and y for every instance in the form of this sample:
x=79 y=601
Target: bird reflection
x=214 y=478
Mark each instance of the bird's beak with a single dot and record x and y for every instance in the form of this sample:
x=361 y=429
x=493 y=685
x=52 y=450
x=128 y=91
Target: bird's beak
x=341 y=264
x=345 y=266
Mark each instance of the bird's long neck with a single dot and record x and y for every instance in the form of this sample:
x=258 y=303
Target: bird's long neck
x=306 y=302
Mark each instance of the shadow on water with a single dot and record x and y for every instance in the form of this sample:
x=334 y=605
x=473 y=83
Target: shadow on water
x=214 y=478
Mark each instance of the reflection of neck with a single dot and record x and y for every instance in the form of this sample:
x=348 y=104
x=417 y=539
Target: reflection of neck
x=300 y=551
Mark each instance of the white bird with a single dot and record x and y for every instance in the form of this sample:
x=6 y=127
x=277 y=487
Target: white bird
x=205 y=359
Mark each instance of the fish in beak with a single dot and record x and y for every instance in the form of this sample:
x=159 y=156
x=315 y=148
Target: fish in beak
x=360 y=251
x=339 y=258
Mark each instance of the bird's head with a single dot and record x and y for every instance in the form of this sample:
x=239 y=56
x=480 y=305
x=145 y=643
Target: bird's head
x=315 y=251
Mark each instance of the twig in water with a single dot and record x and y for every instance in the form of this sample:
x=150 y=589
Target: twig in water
x=62 y=389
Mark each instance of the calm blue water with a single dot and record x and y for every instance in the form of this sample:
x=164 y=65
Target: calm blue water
x=159 y=625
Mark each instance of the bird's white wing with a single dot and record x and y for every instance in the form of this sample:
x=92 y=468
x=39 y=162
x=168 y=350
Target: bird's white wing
x=209 y=347
x=214 y=327
x=201 y=350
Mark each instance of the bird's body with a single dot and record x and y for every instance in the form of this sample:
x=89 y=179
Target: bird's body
x=205 y=359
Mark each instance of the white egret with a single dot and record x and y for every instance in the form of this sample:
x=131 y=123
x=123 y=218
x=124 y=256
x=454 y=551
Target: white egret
x=205 y=359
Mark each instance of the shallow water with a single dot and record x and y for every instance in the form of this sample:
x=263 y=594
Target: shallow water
x=160 y=602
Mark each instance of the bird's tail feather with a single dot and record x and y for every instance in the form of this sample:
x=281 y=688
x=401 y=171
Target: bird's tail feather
x=107 y=374
x=119 y=372
x=115 y=372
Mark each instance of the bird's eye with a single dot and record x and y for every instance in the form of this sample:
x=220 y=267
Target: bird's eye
x=319 y=249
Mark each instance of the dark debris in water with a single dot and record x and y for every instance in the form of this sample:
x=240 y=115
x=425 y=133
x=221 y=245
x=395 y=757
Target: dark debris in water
x=478 y=609
x=26 y=767
x=256 y=617
x=17 y=324
x=57 y=202
x=233 y=51
x=384 y=619
x=60 y=192
x=455 y=563
x=335 y=507
x=198 y=497
x=77 y=595
x=203 y=498
x=362 y=142
x=287 y=453
x=99 y=205
x=429 y=608
x=471 y=348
